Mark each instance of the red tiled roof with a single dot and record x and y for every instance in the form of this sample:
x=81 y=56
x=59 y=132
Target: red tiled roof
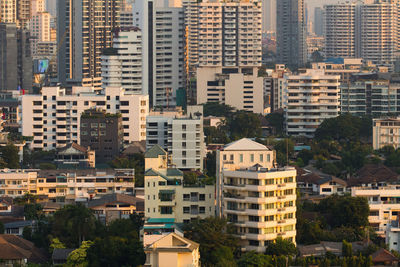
x=383 y=255
x=16 y=248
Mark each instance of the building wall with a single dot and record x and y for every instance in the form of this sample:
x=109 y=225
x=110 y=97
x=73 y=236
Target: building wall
x=241 y=91
x=310 y=98
x=386 y=132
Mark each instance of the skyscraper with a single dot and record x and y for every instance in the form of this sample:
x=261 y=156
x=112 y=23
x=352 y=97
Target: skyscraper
x=291 y=33
x=84 y=30
x=8 y=11
x=269 y=15
x=319 y=21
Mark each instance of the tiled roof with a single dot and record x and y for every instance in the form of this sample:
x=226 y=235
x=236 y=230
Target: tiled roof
x=373 y=173
x=154 y=152
x=383 y=255
x=110 y=198
x=13 y=247
x=61 y=253
x=245 y=144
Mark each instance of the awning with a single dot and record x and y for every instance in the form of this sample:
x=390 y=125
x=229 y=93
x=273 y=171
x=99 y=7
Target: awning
x=165 y=226
x=167 y=191
x=161 y=220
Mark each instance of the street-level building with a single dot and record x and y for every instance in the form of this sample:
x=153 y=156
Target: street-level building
x=166 y=194
x=386 y=132
x=259 y=200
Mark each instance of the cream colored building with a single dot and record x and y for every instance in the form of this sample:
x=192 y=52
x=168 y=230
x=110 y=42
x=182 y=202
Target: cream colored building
x=238 y=87
x=386 y=132
x=62 y=185
x=384 y=205
x=310 y=98
x=172 y=250
x=258 y=199
x=166 y=195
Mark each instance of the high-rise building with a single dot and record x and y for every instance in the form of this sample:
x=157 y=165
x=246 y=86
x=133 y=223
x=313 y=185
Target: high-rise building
x=369 y=30
x=269 y=15
x=230 y=34
x=37 y=6
x=51 y=7
x=8 y=11
x=319 y=21
x=258 y=199
x=23 y=12
x=386 y=132
x=310 y=98
x=121 y=65
x=291 y=33
x=40 y=29
x=84 y=30
x=15 y=58
x=162 y=26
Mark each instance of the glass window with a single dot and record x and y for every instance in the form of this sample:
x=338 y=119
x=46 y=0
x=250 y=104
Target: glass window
x=252 y=157
x=261 y=157
x=241 y=157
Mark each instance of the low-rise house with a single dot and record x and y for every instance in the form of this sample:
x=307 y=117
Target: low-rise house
x=17 y=227
x=116 y=206
x=6 y=205
x=382 y=257
x=172 y=250
x=60 y=256
x=74 y=156
x=320 y=250
x=16 y=251
x=330 y=185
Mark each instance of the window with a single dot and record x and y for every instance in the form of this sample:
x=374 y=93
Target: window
x=224 y=157
x=241 y=158
x=326 y=190
x=202 y=210
x=254 y=218
x=254 y=243
x=268 y=158
x=261 y=157
x=166 y=210
x=186 y=197
x=186 y=210
x=231 y=157
x=202 y=197
x=253 y=230
x=252 y=157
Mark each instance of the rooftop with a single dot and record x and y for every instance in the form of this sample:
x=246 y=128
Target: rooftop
x=245 y=144
x=155 y=151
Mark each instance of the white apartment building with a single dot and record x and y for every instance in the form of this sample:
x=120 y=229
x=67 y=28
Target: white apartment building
x=121 y=65
x=230 y=33
x=162 y=26
x=256 y=198
x=181 y=136
x=53 y=117
x=8 y=11
x=384 y=205
x=386 y=132
x=239 y=87
x=166 y=195
x=273 y=87
x=37 y=6
x=310 y=98
x=340 y=30
x=368 y=30
x=40 y=29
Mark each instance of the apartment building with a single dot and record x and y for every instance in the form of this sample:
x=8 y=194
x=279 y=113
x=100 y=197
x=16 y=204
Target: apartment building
x=310 y=98
x=64 y=185
x=8 y=11
x=386 y=132
x=239 y=87
x=166 y=194
x=230 y=34
x=345 y=67
x=40 y=29
x=369 y=94
x=383 y=203
x=368 y=30
x=273 y=87
x=181 y=136
x=84 y=29
x=121 y=65
x=291 y=45
x=258 y=199
x=53 y=117
x=340 y=30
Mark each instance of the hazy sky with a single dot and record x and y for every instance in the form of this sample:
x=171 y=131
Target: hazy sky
x=311 y=4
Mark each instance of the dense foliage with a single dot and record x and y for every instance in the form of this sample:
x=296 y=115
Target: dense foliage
x=135 y=161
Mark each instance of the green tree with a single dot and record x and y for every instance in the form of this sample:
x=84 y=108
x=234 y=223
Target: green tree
x=73 y=224
x=135 y=161
x=78 y=257
x=281 y=247
x=347 y=249
x=33 y=211
x=47 y=166
x=276 y=120
x=306 y=155
x=9 y=153
x=254 y=259
x=283 y=147
x=217 y=244
x=56 y=243
x=211 y=166
x=190 y=178
x=116 y=251
x=216 y=109
x=244 y=124
x=123 y=228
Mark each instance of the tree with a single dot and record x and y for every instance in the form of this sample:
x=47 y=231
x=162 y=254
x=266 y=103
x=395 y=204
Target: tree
x=33 y=211
x=190 y=178
x=211 y=166
x=135 y=161
x=217 y=244
x=1 y=228
x=254 y=259
x=123 y=228
x=244 y=124
x=306 y=155
x=47 y=166
x=347 y=249
x=283 y=147
x=281 y=247
x=116 y=251
x=276 y=120
x=74 y=224
x=9 y=153
x=217 y=109
x=56 y=244
x=316 y=57
x=78 y=256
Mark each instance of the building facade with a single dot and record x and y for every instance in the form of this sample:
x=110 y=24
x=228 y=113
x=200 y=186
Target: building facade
x=166 y=194
x=40 y=29
x=102 y=132
x=386 y=132
x=310 y=98
x=291 y=33
x=121 y=65
x=84 y=29
x=239 y=87
x=256 y=198
x=53 y=117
